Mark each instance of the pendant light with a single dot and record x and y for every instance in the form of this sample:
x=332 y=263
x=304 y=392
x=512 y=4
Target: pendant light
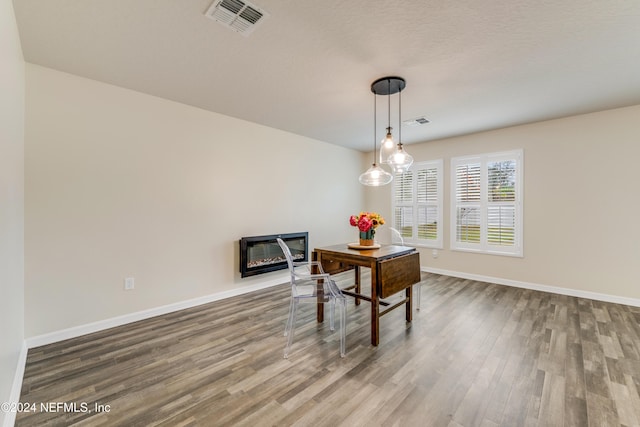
x=400 y=160
x=375 y=176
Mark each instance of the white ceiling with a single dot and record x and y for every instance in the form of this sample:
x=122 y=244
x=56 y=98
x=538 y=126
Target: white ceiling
x=307 y=68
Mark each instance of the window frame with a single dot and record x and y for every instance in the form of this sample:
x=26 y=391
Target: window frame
x=415 y=205
x=484 y=204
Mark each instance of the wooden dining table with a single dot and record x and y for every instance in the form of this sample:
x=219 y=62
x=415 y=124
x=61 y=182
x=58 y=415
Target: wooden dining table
x=393 y=269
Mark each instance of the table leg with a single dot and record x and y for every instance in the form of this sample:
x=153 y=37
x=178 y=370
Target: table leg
x=375 y=308
x=409 y=312
x=357 y=289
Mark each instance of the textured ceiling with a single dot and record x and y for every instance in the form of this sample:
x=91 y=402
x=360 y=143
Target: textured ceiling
x=307 y=68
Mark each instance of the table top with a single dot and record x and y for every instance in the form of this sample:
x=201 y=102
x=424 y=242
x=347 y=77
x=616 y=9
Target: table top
x=384 y=252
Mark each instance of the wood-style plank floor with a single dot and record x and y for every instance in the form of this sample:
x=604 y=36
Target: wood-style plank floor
x=476 y=354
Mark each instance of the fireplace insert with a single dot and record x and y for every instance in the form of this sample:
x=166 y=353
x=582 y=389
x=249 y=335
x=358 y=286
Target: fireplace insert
x=262 y=254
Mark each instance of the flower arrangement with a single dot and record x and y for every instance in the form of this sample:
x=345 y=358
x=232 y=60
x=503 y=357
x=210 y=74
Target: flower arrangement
x=367 y=222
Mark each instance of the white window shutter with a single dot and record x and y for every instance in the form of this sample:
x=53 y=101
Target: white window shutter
x=417 y=204
x=486 y=203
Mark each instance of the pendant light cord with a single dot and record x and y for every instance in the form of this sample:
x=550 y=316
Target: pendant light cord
x=375 y=113
x=400 y=117
x=389 y=105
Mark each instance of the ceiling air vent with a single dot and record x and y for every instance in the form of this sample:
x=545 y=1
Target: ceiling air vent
x=417 y=121
x=238 y=15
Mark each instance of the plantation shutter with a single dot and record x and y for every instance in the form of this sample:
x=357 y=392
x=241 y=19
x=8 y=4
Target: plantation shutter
x=417 y=204
x=501 y=208
x=486 y=211
x=468 y=221
x=403 y=214
x=427 y=203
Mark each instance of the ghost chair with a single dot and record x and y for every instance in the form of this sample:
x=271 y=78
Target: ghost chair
x=306 y=289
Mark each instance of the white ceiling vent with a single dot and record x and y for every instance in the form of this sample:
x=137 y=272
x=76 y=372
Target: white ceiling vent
x=240 y=16
x=416 y=122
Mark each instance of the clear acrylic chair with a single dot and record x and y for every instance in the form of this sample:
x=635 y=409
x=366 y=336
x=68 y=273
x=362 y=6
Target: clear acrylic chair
x=417 y=286
x=305 y=289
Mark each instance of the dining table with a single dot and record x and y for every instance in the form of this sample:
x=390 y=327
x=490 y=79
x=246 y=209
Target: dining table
x=394 y=268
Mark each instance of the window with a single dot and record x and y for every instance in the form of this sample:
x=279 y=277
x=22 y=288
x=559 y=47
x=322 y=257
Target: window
x=416 y=200
x=486 y=203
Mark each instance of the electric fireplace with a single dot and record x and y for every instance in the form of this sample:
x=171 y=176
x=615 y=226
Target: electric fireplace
x=262 y=254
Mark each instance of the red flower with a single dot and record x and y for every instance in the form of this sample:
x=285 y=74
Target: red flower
x=353 y=220
x=365 y=224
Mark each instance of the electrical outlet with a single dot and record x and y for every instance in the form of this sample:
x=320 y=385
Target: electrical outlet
x=129 y=283
x=434 y=253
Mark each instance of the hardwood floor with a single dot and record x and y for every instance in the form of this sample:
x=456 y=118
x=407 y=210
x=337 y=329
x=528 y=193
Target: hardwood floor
x=476 y=354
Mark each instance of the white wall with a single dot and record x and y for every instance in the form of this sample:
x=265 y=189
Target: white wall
x=122 y=184
x=11 y=201
x=581 y=204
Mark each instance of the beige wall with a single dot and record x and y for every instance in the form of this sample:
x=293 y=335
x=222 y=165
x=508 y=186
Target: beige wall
x=11 y=200
x=581 y=204
x=122 y=184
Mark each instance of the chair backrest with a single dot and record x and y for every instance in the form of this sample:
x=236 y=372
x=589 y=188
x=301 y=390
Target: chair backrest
x=303 y=276
x=398 y=234
x=287 y=255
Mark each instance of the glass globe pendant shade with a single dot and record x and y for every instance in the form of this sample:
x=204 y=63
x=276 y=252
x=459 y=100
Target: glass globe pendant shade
x=375 y=176
x=400 y=160
x=387 y=146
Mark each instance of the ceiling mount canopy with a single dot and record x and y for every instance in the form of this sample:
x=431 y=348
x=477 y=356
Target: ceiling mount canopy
x=388 y=85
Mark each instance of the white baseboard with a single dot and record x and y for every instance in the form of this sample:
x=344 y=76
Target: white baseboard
x=100 y=325
x=16 y=387
x=537 y=287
